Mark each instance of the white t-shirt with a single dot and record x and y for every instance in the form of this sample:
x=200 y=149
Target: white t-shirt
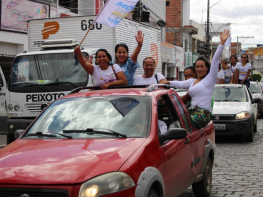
x=101 y=77
x=220 y=75
x=201 y=93
x=233 y=68
x=139 y=80
x=243 y=70
x=228 y=74
x=162 y=126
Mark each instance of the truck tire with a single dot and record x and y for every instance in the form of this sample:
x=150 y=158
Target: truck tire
x=203 y=188
x=10 y=139
x=152 y=193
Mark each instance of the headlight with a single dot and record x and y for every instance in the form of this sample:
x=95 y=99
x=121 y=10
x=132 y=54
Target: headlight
x=10 y=107
x=257 y=96
x=243 y=115
x=16 y=107
x=106 y=184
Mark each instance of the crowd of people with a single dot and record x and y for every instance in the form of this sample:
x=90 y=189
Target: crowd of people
x=235 y=72
x=200 y=80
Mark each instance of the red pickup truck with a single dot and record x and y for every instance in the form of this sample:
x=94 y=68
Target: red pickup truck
x=133 y=141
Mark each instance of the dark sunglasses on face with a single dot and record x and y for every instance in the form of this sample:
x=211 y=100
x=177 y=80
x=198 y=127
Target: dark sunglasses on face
x=243 y=57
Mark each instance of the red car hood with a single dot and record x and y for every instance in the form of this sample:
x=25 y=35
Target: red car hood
x=63 y=161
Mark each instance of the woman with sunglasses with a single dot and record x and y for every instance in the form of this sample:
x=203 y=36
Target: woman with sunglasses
x=243 y=70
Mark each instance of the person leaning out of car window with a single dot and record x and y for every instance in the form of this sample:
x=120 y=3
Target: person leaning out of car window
x=243 y=70
x=149 y=77
x=104 y=74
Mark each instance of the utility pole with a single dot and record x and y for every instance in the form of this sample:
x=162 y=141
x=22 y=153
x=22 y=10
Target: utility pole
x=237 y=43
x=208 y=51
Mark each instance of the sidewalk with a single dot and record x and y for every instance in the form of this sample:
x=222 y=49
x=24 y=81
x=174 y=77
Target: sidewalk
x=2 y=141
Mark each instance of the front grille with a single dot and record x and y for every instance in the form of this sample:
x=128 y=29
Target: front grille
x=228 y=117
x=34 y=108
x=32 y=192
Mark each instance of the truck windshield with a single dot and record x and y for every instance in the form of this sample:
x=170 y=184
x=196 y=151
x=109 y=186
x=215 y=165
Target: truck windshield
x=95 y=117
x=50 y=68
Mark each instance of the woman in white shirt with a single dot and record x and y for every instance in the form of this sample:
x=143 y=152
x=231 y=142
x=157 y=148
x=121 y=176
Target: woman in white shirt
x=201 y=89
x=149 y=77
x=103 y=73
x=233 y=67
x=227 y=72
x=220 y=76
x=243 y=70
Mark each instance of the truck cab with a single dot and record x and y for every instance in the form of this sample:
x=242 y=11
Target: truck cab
x=36 y=80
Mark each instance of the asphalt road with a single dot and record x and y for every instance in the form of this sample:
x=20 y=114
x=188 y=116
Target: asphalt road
x=237 y=171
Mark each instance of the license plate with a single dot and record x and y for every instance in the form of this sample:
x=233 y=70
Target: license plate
x=220 y=126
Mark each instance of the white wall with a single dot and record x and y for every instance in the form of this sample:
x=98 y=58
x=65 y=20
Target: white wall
x=12 y=43
x=200 y=35
x=186 y=12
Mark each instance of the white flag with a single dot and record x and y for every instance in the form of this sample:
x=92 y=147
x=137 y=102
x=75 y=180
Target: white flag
x=114 y=11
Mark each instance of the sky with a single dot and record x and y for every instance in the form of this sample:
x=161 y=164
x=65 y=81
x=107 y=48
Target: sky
x=245 y=16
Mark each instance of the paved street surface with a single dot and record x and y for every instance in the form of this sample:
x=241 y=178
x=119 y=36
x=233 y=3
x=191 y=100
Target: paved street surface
x=238 y=170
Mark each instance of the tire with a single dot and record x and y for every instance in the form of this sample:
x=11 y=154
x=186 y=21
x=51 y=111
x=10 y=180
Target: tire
x=255 y=126
x=203 y=188
x=249 y=138
x=152 y=193
x=10 y=139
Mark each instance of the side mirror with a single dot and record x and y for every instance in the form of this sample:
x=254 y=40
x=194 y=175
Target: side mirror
x=174 y=134
x=256 y=100
x=18 y=133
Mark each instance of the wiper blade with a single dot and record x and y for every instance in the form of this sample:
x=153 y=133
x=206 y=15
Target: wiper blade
x=231 y=100
x=62 y=82
x=39 y=133
x=96 y=130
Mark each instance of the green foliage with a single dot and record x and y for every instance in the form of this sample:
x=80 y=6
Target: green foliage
x=255 y=77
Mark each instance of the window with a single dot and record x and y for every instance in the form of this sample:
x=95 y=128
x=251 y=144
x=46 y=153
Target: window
x=181 y=109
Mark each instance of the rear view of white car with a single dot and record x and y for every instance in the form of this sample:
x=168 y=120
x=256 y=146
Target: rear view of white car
x=235 y=111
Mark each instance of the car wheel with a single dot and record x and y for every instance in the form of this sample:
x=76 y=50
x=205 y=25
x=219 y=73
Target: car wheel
x=10 y=139
x=152 y=193
x=256 y=126
x=203 y=188
x=249 y=138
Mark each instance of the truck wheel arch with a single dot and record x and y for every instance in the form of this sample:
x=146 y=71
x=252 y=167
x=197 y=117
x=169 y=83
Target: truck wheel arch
x=148 y=177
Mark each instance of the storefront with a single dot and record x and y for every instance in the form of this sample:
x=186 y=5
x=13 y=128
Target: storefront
x=179 y=63
x=168 y=61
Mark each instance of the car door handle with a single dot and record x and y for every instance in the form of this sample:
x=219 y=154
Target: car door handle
x=187 y=141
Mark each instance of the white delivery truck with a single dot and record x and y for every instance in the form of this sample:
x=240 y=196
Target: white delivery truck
x=46 y=73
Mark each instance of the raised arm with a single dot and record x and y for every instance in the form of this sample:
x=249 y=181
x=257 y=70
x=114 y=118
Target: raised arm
x=139 y=38
x=212 y=75
x=84 y=63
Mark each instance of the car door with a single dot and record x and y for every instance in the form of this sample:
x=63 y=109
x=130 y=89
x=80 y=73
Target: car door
x=3 y=92
x=177 y=156
x=196 y=138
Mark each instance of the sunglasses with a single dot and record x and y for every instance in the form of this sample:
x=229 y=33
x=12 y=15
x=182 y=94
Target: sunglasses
x=243 y=57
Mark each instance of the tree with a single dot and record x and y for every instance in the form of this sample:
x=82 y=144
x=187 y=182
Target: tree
x=255 y=77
